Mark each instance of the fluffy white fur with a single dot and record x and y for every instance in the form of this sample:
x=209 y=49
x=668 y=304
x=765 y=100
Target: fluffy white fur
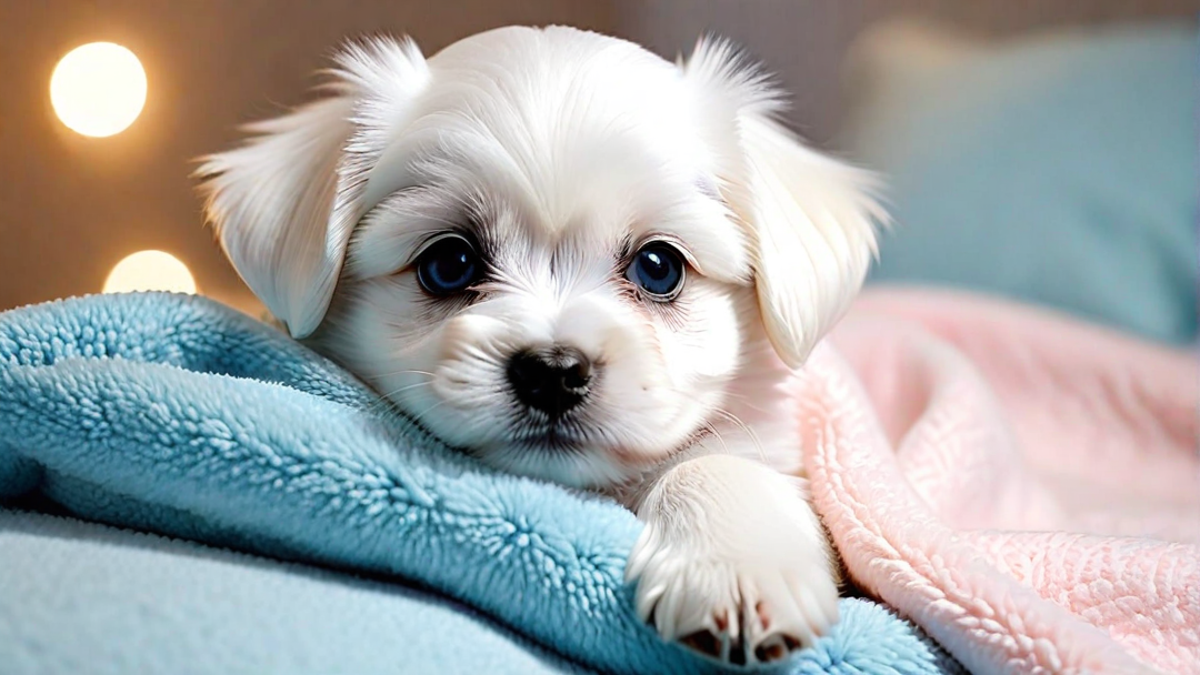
x=558 y=151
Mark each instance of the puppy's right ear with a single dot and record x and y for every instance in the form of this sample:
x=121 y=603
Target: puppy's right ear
x=284 y=203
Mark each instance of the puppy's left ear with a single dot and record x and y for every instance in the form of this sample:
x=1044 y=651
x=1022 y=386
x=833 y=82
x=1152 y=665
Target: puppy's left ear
x=810 y=219
x=284 y=204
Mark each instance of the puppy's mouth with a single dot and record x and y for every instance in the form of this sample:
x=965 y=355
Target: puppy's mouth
x=576 y=438
x=560 y=436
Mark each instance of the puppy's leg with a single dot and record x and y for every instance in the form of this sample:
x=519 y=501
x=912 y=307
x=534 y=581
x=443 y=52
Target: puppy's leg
x=733 y=561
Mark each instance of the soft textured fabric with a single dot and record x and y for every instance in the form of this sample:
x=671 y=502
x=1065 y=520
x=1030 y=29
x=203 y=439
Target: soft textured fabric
x=1059 y=167
x=176 y=415
x=81 y=598
x=1023 y=486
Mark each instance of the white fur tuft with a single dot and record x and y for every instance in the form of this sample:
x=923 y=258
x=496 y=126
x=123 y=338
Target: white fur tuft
x=283 y=204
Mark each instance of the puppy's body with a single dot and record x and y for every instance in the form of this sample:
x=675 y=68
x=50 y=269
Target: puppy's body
x=579 y=262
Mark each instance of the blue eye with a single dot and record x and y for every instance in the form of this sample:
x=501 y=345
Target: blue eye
x=658 y=270
x=448 y=266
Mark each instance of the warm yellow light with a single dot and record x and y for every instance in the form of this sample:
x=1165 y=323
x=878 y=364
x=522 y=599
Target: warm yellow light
x=150 y=271
x=98 y=89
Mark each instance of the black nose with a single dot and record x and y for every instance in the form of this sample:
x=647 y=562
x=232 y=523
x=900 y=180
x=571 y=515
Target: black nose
x=552 y=381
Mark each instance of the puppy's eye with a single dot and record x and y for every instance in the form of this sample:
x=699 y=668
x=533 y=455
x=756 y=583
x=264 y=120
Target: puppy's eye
x=657 y=269
x=449 y=266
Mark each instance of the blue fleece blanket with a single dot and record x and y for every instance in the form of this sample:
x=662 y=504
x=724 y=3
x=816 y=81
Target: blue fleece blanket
x=176 y=415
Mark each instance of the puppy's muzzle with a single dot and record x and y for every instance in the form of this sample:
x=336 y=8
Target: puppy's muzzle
x=553 y=380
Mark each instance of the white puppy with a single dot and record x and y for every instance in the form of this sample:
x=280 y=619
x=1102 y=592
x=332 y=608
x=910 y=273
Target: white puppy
x=580 y=262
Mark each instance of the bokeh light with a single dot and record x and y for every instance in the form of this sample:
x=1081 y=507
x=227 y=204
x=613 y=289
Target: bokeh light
x=150 y=271
x=98 y=89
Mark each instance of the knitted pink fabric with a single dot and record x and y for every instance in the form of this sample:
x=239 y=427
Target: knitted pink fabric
x=1024 y=486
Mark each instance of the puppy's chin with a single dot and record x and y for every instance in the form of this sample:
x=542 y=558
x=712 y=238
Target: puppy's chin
x=572 y=464
x=591 y=450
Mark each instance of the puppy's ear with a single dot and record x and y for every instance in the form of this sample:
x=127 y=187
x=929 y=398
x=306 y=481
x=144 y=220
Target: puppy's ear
x=284 y=204
x=810 y=219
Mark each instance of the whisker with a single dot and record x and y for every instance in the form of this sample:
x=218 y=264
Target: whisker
x=380 y=376
x=383 y=404
x=746 y=401
x=407 y=387
x=762 y=455
x=721 y=439
x=384 y=401
x=426 y=411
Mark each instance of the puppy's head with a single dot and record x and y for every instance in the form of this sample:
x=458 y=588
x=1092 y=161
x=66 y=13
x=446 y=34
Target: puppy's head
x=553 y=248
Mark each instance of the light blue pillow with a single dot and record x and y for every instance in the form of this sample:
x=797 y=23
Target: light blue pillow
x=1059 y=169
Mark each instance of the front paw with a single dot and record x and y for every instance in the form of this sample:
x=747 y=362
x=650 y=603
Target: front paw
x=754 y=605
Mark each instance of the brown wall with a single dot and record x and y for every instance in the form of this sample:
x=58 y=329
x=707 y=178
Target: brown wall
x=71 y=207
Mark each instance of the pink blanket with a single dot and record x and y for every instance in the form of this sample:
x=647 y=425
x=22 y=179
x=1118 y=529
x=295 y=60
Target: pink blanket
x=1023 y=486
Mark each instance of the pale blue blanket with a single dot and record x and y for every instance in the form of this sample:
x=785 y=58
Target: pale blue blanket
x=177 y=416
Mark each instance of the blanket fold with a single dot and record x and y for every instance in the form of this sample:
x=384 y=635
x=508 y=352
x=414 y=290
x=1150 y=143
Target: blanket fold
x=176 y=415
x=1023 y=486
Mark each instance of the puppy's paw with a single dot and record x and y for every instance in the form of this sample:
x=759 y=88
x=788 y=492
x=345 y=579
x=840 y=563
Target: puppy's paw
x=749 y=606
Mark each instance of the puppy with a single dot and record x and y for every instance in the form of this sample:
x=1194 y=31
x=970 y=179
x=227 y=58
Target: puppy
x=578 y=262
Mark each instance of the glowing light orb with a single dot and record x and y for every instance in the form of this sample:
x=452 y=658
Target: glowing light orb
x=98 y=89
x=150 y=271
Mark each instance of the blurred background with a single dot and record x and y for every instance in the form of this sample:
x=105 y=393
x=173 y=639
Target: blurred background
x=1045 y=151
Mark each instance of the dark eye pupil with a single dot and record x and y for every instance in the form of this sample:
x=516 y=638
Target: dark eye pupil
x=658 y=269
x=655 y=265
x=449 y=266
